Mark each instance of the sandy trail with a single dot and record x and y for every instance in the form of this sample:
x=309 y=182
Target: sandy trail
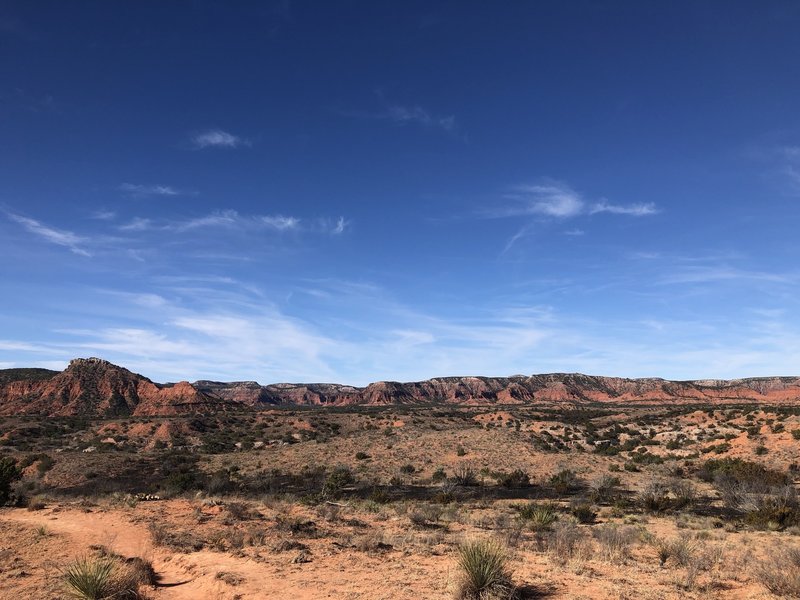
x=194 y=576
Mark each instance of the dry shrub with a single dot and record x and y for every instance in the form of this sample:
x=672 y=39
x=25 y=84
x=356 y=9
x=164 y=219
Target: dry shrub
x=371 y=543
x=175 y=539
x=465 y=474
x=615 y=542
x=484 y=572
x=232 y=579
x=289 y=545
x=604 y=488
x=680 y=549
x=780 y=573
x=563 y=542
x=655 y=497
x=239 y=511
x=425 y=515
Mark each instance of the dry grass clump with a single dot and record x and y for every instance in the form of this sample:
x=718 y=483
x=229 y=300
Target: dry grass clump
x=615 y=542
x=565 y=542
x=484 y=572
x=680 y=549
x=780 y=573
x=425 y=515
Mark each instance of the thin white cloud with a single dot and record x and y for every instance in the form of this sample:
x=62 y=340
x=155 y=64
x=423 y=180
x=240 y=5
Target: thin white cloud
x=217 y=138
x=340 y=226
x=407 y=115
x=558 y=200
x=280 y=222
x=59 y=237
x=715 y=274
x=417 y=114
x=233 y=220
x=137 y=224
x=553 y=200
x=222 y=331
x=225 y=218
x=140 y=190
x=634 y=210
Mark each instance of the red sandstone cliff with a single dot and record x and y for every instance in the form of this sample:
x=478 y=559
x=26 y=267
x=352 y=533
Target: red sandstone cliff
x=94 y=387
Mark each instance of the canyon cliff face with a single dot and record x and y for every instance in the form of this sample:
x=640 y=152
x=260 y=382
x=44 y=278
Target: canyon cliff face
x=94 y=387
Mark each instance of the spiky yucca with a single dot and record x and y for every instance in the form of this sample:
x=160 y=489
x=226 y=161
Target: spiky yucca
x=107 y=576
x=89 y=578
x=541 y=516
x=483 y=572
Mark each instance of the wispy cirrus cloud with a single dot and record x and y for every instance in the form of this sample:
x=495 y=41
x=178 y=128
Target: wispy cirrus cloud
x=59 y=237
x=633 y=210
x=280 y=222
x=218 y=327
x=217 y=138
x=142 y=190
x=720 y=273
x=416 y=114
x=233 y=220
x=558 y=200
x=401 y=115
x=551 y=200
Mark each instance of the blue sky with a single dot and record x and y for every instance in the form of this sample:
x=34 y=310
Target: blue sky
x=358 y=191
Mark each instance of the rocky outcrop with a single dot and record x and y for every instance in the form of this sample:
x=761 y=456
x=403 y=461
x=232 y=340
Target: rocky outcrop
x=95 y=387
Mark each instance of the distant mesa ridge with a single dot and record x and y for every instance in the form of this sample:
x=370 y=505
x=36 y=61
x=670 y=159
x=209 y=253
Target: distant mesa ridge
x=97 y=388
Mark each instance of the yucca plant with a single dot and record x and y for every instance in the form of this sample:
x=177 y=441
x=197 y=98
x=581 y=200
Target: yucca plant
x=107 y=576
x=541 y=516
x=484 y=575
x=90 y=578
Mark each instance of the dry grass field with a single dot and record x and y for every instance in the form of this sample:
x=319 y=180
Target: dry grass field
x=396 y=502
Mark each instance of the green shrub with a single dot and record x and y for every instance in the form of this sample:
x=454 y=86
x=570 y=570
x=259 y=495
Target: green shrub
x=583 y=510
x=9 y=473
x=564 y=481
x=484 y=573
x=516 y=479
x=336 y=481
x=741 y=471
